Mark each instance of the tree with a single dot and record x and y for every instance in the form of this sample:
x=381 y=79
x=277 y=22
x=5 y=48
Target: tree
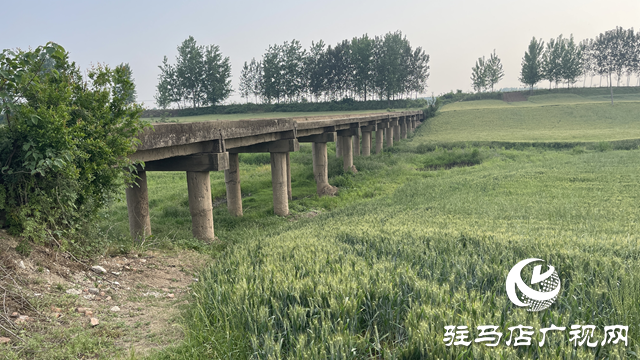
x=571 y=61
x=272 y=65
x=552 y=61
x=531 y=72
x=315 y=69
x=131 y=94
x=65 y=145
x=479 y=75
x=362 y=60
x=608 y=55
x=200 y=77
x=245 y=81
x=216 y=82
x=494 y=71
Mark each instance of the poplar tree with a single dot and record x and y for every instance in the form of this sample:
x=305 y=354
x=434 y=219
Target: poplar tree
x=531 y=72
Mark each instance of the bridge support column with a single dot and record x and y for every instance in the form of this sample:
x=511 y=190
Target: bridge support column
x=321 y=169
x=347 y=152
x=396 y=131
x=138 y=208
x=356 y=143
x=379 y=140
x=232 y=181
x=366 y=143
x=289 y=193
x=279 y=183
x=389 y=133
x=338 y=148
x=200 y=206
x=403 y=128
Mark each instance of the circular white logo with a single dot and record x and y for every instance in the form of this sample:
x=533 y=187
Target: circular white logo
x=533 y=300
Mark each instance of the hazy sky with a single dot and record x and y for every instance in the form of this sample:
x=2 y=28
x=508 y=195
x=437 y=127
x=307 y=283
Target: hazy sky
x=453 y=33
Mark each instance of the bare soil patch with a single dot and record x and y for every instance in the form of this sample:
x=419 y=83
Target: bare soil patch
x=514 y=96
x=136 y=301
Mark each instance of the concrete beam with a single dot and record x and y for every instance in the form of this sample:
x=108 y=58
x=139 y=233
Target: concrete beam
x=320 y=138
x=270 y=147
x=369 y=128
x=138 y=208
x=196 y=162
x=213 y=146
x=352 y=131
x=279 y=183
x=200 y=205
x=232 y=182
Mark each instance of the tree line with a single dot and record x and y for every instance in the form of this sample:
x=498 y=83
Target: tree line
x=562 y=60
x=383 y=67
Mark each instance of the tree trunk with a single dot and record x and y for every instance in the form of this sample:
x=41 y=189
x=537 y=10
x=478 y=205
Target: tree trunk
x=611 y=88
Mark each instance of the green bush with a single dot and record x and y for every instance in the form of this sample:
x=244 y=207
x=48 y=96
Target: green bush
x=603 y=146
x=65 y=143
x=447 y=159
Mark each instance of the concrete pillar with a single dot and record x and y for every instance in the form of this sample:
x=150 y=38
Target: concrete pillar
x=338 y=148
x=347 y=152
x=200 y=206
x=389 y=133
x=403 y=128
x=321 y=169
x=396 y=132
x=356 y=143
x=379 y=140
x=138 y=208
x=289 y=194
x=279 y=183
x=366 y=143
x=232 y=181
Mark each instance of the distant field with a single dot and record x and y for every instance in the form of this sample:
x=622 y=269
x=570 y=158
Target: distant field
x=271 y=115
x=559 y=117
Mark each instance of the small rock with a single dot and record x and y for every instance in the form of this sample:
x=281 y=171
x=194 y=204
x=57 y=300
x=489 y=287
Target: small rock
x=98 y=269
x=127 y=268
x=115 y=308
x=81 y=310
x=94 y=322
x=56 y=315
x=4 y=340
x=108 y=298
x=89 y=297
x=22 y=319
x=88 y=313
x=94 y=291
x=74 y=292
x=195 y=279
x=102 y=293
x=116 y=273
x=37 y=294
x=143 y=260
x=14 y=314
x=165 y=289
x=170 y=296
x=21 y=264
x=55 y=309
x=116 y=283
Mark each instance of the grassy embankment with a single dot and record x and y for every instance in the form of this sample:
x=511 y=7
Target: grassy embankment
x=401 y=252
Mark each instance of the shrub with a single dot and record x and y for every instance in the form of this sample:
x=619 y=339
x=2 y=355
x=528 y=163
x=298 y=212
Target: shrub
x=452 y=158
x=603 y=146
x=65 y=143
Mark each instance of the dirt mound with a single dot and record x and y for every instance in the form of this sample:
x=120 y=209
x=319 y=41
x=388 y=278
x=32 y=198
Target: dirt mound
x=514 y=96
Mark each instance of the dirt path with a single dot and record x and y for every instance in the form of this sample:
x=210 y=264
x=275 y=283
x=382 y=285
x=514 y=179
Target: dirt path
x=137 y=300
x=514 y=96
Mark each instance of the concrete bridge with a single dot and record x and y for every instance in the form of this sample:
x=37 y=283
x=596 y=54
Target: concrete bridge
x=201 y=147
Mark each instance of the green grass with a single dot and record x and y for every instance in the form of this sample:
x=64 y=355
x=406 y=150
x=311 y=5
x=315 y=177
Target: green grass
x=270 y=115
x=402 y=252
x=538 y=123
